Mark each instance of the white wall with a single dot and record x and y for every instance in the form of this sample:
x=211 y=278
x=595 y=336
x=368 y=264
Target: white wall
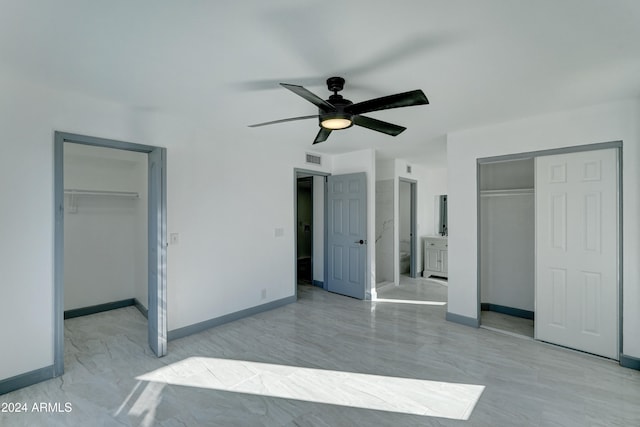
x=507 y=247
x=601 y=123
x=105 y=238
x=228 y=192
x=436 y=185
x=385 y=169
x=384 y=231
x=363 y=161
x=404 y=224
x=385 y=173
x=405 y=211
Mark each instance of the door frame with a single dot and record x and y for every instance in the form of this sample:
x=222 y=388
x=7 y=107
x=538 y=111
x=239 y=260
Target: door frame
x=300 y=173
x=564 y=150
x=413 y=226
x=159 y=287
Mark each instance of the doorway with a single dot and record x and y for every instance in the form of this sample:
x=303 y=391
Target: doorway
x=339 y=231
x=541 y=216
x=305 y=230
x=407 y=217
x=310 y=236
x=105 y=229
x=156 y=235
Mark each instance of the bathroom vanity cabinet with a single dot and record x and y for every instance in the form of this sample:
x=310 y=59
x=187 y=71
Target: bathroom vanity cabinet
x=435 y=256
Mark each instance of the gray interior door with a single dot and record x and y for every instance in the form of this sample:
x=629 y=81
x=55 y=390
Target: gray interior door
x=157 y=312
x=347 y=234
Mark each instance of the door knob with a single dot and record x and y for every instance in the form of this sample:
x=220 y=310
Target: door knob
x=362 y=242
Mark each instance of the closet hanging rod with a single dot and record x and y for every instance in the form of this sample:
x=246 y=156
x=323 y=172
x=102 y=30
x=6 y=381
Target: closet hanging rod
x=75 y=192
x=510 y=192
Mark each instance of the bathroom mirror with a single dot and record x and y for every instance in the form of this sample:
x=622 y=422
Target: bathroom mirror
x=443 y=227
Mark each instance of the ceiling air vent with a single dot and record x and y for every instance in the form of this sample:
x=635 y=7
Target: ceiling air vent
x=314 y=159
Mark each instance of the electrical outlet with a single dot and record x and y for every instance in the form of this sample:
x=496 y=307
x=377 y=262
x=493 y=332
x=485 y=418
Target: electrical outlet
x=263 y=294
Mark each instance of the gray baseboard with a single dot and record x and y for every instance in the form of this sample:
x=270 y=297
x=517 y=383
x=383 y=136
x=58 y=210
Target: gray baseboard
x=511 y=311
x=207 y=324
x=630 y=362
x=29 y=378
x=463 y=320
x=26 y=379
x=318 y=283
x=141 y=308
x=99 y=308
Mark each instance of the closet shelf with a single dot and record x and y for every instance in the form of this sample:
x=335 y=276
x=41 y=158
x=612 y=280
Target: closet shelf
x=74 y=193
x=509 y=192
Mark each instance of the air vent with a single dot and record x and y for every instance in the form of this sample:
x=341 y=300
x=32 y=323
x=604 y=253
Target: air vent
x=314 y=159
x=408 y=168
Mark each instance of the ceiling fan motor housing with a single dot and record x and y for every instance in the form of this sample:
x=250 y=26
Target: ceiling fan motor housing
x=335 y=85
x=339 y=103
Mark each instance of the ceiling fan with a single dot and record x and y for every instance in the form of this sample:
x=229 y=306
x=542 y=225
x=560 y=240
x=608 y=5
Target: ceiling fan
x=338 y=113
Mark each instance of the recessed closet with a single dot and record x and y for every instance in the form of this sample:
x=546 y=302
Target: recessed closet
x=105 y=229
x=507 y=245
x=549 y=259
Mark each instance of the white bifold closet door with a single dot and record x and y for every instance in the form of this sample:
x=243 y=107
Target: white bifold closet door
x=577 y=251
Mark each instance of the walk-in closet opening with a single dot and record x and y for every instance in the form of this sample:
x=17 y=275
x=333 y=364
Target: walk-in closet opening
x=105 y=239
x=110 y=237
x=105 y=229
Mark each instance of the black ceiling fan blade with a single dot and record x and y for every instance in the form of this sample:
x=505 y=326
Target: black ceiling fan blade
x=322 y=135
x=309 y=96
x=291 y=119
x=405 y=99
x=378 y=125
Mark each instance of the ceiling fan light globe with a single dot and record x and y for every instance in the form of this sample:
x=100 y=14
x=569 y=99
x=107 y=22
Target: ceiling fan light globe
x=336 y=123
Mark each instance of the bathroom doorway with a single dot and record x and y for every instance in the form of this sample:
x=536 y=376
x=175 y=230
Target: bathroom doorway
x=407 y=214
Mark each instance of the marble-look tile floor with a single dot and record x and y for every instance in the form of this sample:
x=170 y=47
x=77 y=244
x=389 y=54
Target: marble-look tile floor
x=504 y=322
x=327 y=360
x=417 y=289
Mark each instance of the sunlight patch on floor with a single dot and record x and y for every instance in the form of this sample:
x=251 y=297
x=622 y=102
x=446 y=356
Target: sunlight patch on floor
x=377 y=392
x=409 y=301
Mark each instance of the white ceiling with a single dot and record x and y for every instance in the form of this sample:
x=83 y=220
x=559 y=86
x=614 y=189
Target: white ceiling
x=219 y=62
